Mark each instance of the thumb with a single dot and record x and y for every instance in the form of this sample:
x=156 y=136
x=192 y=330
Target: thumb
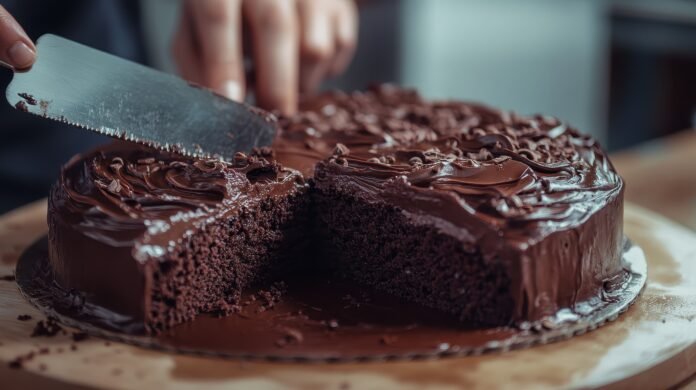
x=16 y=49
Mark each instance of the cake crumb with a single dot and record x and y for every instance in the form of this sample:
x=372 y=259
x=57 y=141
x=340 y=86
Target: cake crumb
x=271 y=297
x=290 y=336
x=23 y=317
x=79 y=336
x=43 y=104
x=29 y=99
x=22 y=106
x=46 y=328
x=19 y=361
x=332 y=324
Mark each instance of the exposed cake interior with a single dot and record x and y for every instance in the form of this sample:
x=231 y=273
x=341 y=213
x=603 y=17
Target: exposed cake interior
x=377 y=245
x=209 y=270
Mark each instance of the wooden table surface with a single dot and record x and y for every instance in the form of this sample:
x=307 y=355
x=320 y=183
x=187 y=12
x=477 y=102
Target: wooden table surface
x=661 y=176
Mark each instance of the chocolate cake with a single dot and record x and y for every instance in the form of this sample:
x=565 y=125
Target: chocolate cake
x=492 y=217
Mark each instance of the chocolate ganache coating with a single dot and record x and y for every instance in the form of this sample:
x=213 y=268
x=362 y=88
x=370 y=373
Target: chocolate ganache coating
x=491 y=216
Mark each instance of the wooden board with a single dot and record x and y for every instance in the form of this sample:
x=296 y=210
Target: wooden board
x=652 y=345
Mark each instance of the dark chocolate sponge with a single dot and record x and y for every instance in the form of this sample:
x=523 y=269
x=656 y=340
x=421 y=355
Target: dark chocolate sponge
x=481 y=213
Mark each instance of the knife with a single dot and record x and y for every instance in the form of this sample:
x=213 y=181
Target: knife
x=84 y=87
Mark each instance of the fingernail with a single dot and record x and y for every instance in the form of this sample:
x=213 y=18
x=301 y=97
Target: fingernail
x=232 y=90
x=20 y=55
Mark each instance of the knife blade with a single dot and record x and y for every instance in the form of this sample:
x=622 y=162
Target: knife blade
x=87 y=88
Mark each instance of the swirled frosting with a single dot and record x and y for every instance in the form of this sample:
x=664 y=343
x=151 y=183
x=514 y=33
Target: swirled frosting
x=504 y=168
x=120 y=192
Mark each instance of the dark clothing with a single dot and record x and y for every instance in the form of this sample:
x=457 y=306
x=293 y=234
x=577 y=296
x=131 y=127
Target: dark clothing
x=33 y=149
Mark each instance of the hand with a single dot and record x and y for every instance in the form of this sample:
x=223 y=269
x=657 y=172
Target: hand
x=295 y=45
x=17 y=51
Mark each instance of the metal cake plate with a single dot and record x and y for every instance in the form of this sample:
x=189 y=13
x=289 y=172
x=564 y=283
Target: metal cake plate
x=324 y=321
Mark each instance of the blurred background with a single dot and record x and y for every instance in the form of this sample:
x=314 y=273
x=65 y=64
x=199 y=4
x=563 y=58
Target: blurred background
x=623 y=71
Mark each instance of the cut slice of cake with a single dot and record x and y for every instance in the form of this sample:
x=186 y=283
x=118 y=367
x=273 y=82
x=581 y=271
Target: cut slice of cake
x=160 y=238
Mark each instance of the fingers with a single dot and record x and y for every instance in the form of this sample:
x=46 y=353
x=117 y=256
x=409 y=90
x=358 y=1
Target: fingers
x=275 y=36
x=316 y=42
x=16 y=49
x=345 y=23
x=295 y=43
x=184 y=49
x=207 y=46
x=329 y=30
x=218 y=28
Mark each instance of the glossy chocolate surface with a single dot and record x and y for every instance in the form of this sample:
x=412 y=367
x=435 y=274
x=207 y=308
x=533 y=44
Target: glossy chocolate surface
x=529 y=191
